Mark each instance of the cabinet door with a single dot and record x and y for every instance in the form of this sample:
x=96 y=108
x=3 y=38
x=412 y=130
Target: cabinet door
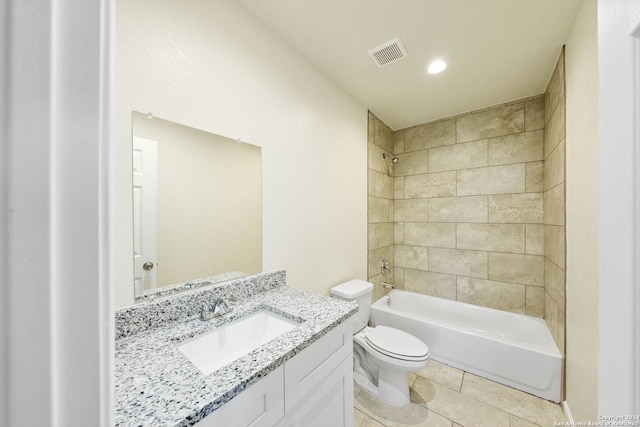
x=260 y=405
x=329 y=404
x=311 y=366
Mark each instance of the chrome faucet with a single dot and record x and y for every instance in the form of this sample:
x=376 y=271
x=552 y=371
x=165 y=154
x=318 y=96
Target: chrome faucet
x=217 y=308
x=220 y=307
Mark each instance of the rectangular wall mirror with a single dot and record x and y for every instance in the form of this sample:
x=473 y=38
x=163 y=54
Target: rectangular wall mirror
x=197 y=203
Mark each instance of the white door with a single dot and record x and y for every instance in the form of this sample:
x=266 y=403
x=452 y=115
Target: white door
x=145 y=215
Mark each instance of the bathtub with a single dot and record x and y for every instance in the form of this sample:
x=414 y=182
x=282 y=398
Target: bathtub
x=512 y=349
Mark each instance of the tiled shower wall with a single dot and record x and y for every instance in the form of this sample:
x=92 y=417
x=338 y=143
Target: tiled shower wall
x=554 y=205
x=472 y=211
x=380 y=202
x=469 y=207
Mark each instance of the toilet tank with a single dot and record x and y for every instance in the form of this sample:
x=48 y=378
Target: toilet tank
x=359 y=291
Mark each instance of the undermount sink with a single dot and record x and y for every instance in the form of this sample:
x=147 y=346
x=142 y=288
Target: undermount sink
x=212 y=351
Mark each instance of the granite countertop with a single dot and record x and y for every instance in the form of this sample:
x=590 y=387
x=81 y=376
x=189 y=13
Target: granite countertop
x=156 y=385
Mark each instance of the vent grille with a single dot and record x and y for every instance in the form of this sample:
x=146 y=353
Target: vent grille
x=388 y=53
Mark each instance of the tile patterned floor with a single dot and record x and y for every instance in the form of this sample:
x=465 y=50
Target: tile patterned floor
x=443 y=396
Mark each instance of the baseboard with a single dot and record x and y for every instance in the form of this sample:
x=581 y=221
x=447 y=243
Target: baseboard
x=567 y=412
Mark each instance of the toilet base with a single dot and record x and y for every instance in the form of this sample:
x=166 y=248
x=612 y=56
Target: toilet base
x=391 y=389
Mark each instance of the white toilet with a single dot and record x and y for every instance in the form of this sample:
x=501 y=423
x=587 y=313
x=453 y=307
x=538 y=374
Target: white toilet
x=382 y=356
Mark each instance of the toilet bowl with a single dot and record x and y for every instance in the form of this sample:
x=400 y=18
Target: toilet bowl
x=382 y=356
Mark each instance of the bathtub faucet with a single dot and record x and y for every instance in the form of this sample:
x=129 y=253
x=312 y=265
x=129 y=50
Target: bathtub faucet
x=388 y=285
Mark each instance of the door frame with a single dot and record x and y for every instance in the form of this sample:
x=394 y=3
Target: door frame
x=56 y=190
x=619 y=207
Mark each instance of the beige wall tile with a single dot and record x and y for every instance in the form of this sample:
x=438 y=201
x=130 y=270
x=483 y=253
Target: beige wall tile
x=412 y=210
x=562 y=318
x=398 y=187
x=458 y=407
x=515 y=268
x=534 y=177
x=534 y=239
x=534 y=301
x=502 y=120
x=551 y=316
x=554 y=244
x=488 y=293
x=441 y=184
x=380 y=185
x=516 y=148
x=516 y=208
x=554 y=282
x=380 y=210
x=554 y=132
x=371 y=127
x=398 y=277
x=374 y=258
x=459 y=156
x=554 y=167
x=555 y=90
x=429 y=283
x=415 y=257
x=554 y=206
x=411 y=163
x=534 y=114
x=380 y=235
x=435 y=234
x=398 y=142
x=491 y=237
x=458 y=209
x=526 y=406
x=492 y=180
x=378 y=290
x=430 y=135
x=398 y=233
x=375 y=160
x=382 y=135
x=460 y=262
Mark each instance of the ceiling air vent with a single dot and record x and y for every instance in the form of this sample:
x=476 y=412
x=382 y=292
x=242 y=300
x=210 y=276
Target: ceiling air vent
x=388 y=53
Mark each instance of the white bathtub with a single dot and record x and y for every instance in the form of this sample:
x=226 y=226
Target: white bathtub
x=512 y=349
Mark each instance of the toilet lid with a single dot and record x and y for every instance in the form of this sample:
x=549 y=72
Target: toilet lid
x=396 y=343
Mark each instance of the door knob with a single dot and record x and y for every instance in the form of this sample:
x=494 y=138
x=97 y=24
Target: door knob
x=147 y=266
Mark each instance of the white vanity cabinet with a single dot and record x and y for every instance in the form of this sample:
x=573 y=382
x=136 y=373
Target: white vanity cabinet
x=318 y=382
x=313 y=388
x=261 y=405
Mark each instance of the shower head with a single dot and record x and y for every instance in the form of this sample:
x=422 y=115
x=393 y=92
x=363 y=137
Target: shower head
x=394 y=159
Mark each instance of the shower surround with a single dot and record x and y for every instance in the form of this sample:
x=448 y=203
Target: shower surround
x=473 y=210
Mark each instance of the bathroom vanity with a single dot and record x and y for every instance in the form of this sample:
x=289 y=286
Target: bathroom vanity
x=302 y=377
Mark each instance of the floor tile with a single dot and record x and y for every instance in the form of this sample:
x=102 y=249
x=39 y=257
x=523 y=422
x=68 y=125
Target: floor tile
x=411 y=378
x=356 y=390
x=443 y=374
x=519 y=422
x=393 y=416
x=457 y=407
x=516 y=402
x=363 y=420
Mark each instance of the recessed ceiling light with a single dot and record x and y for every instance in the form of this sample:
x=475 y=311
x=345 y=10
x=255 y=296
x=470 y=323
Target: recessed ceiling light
x=436 y=66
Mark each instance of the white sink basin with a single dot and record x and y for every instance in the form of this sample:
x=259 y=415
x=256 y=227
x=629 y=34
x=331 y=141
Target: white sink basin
x=229 y=342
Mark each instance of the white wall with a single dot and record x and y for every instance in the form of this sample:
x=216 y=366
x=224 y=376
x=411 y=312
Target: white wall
x=210 y=65
x=581 y=75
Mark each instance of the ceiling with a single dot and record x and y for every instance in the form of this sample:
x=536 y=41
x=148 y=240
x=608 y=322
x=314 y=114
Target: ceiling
x=496 y=50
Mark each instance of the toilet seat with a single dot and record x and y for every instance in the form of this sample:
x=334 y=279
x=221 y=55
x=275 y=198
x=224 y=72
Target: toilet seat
x=397 y=344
